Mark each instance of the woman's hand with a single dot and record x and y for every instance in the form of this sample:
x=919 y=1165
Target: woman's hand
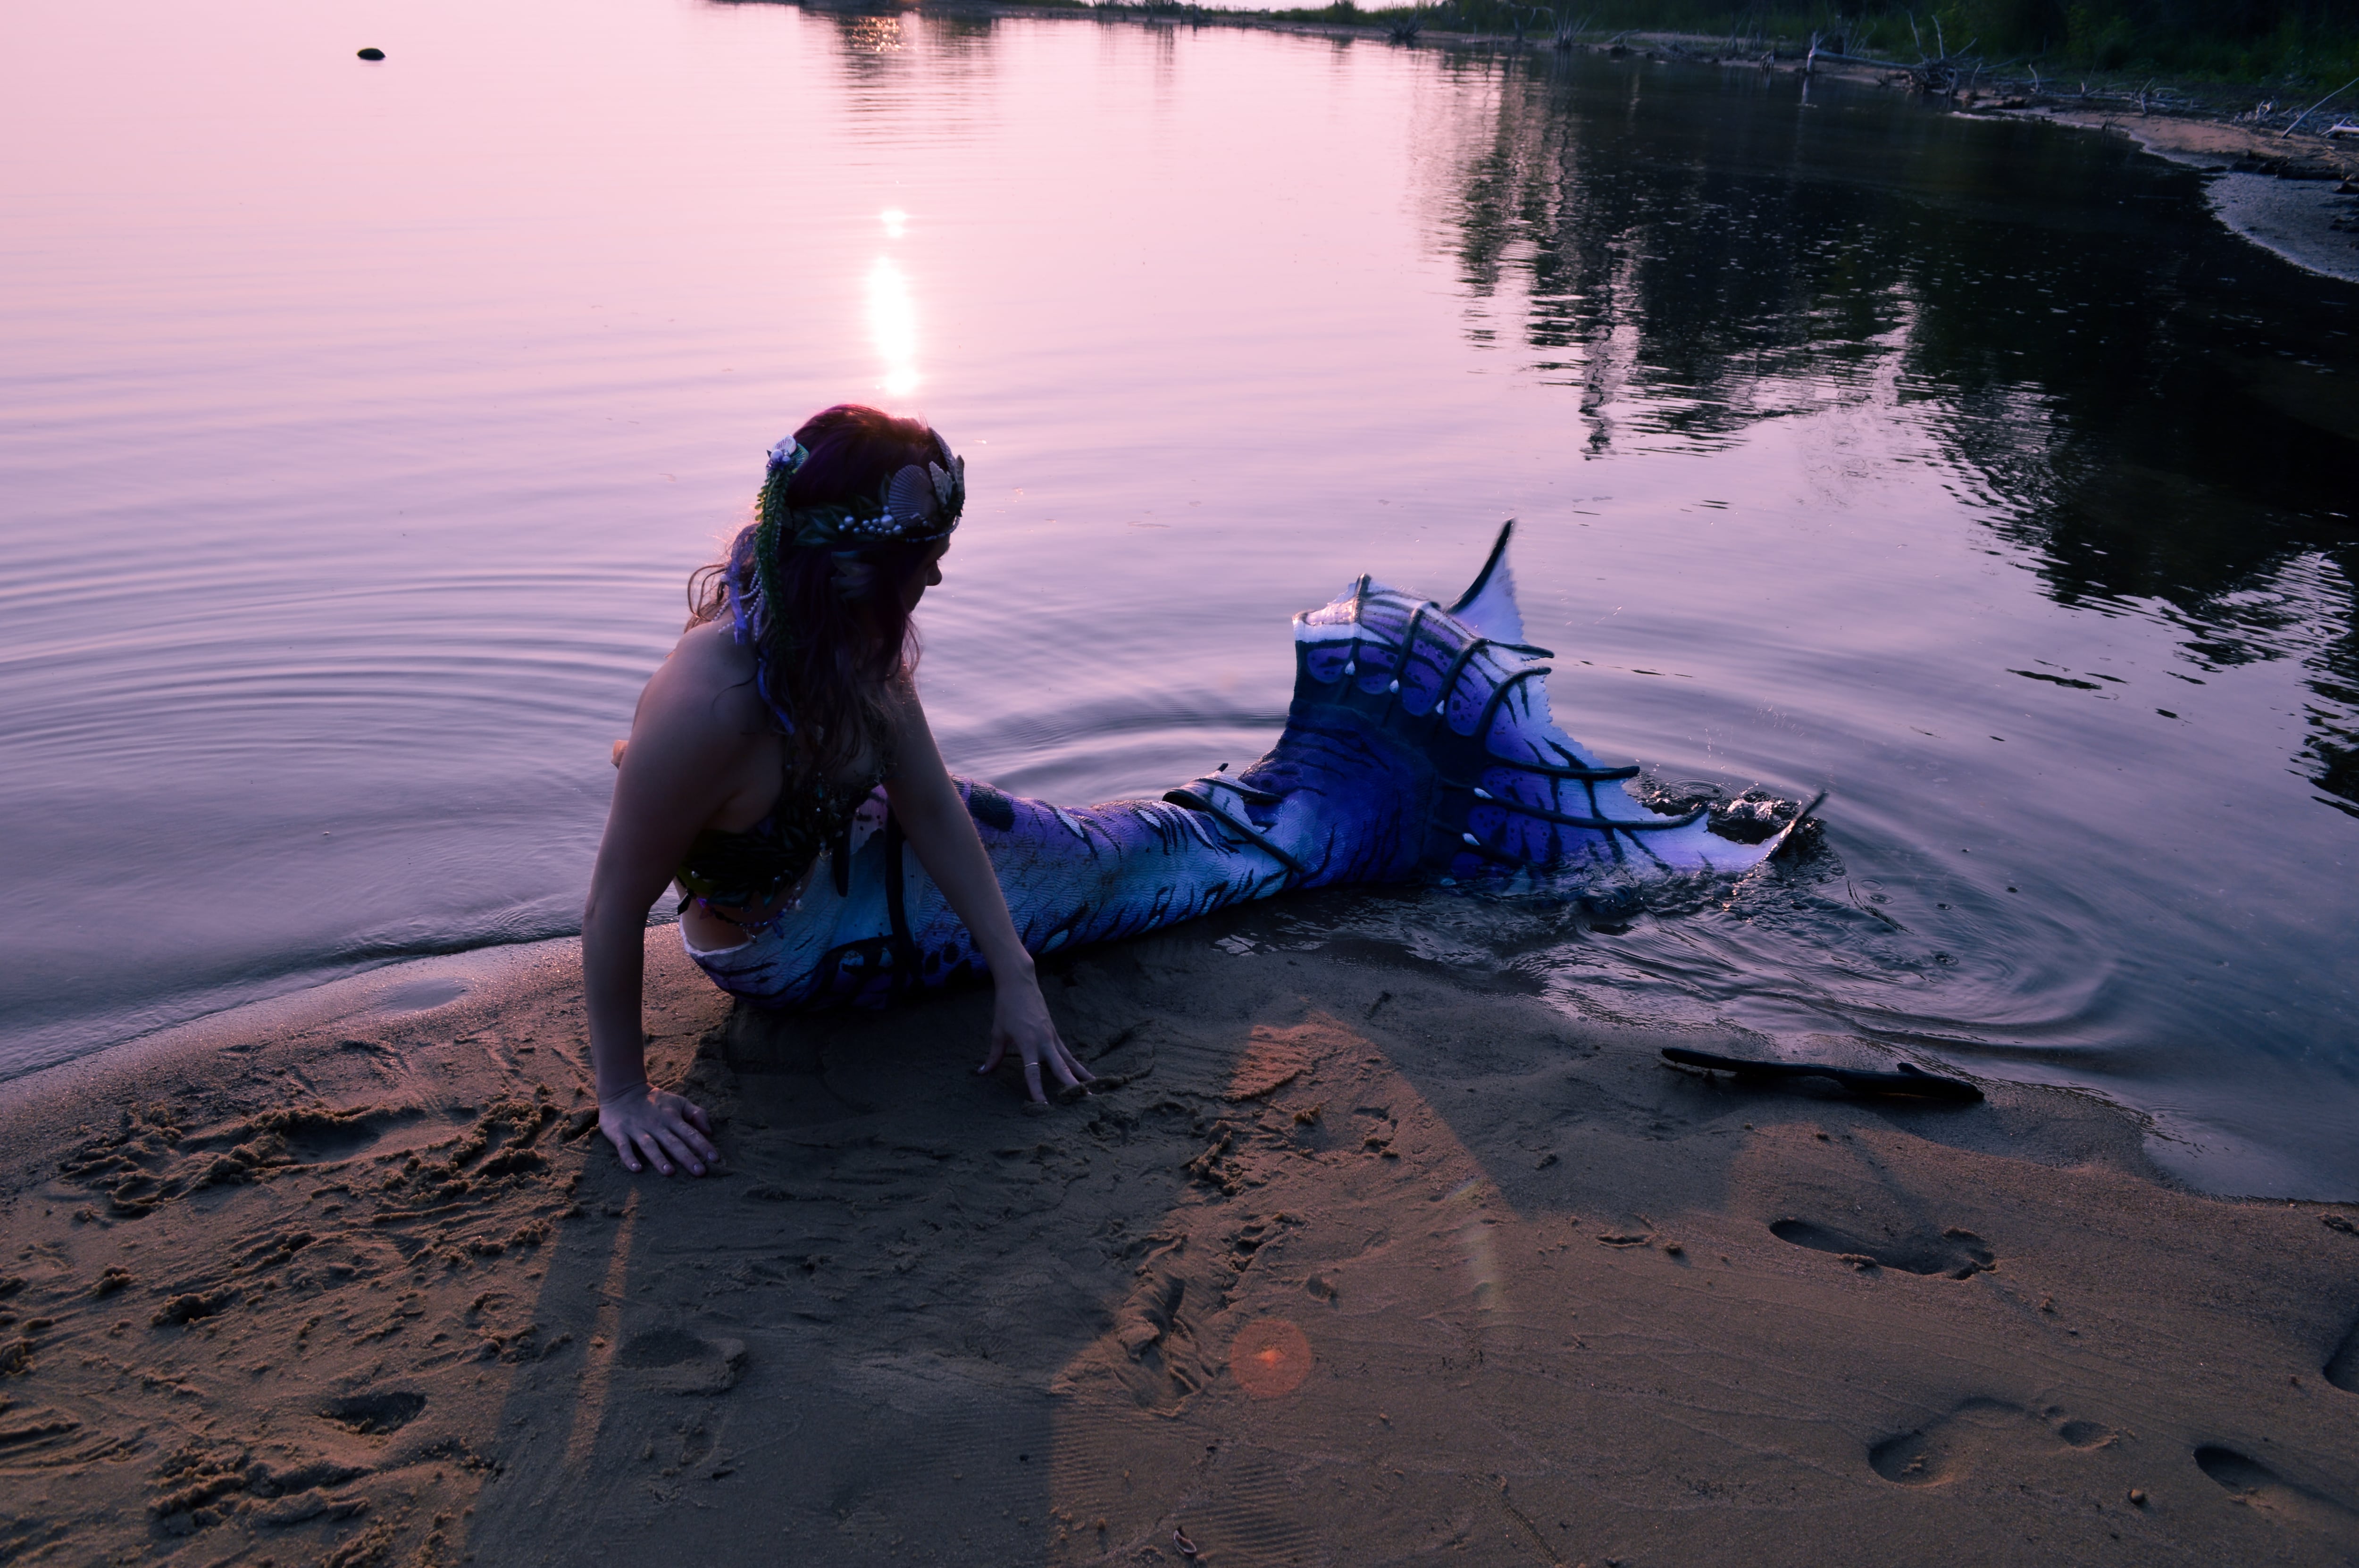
x=644 y=1120
x=938 y=827
x=1019 y=1017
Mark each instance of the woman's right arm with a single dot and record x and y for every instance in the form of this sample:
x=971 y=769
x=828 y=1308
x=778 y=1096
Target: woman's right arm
x=687 y=744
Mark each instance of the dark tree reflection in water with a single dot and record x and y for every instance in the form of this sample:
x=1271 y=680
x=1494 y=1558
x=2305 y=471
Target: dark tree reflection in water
x=2165 y=416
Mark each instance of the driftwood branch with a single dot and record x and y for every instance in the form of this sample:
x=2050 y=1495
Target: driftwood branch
x=1936 y=74
x=1909 y=1080
x=2322 y=104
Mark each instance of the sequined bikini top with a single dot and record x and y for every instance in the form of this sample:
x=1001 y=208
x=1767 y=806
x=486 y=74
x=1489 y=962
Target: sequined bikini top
x=733 y=874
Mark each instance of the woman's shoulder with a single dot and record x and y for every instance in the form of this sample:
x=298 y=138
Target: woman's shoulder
x=710 y=673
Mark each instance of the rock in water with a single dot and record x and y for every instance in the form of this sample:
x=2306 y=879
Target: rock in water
x=372 y=54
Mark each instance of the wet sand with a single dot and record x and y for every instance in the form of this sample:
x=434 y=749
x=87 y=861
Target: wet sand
x=2292 y=196
x=1362 y=1263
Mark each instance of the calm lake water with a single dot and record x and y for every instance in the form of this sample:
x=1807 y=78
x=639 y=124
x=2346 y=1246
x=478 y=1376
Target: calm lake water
x=360 y=424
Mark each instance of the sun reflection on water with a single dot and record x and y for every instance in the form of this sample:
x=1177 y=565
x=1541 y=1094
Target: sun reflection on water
x=893 y=323
x=875 y=35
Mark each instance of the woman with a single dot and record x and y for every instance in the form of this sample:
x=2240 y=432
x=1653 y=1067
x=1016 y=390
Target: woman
x=787 y=700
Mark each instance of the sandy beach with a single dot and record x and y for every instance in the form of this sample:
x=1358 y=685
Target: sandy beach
x=1354 y=1260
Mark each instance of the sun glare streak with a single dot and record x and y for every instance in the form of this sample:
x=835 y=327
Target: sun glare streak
x=896 y=222
x=893 y=323
x=1483 y=1274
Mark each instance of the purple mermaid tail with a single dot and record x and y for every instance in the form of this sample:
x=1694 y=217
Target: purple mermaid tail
x=1419 y=744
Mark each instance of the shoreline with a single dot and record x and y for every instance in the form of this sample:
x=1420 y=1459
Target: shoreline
x=1360 y=1255
x=2294 y=196
x=2297 y=199
x=2199 y=1157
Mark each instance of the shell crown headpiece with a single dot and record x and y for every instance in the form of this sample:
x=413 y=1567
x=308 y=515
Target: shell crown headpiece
x=919 y=504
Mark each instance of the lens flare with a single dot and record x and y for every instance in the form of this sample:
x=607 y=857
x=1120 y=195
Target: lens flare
x=1269 y=1357
x=896 y=222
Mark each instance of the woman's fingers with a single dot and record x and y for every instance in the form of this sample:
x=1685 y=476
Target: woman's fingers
x=669 y=1140
x=1042 y=1052
x=1066 y=1065
x=660 y=1129
x=653 y=1149
x=675 y=1142
x=1060 y=1061
x=682 y=1128
x=612 y=1123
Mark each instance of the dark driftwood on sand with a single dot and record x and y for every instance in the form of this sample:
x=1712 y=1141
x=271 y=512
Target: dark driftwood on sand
x=1908 y=1080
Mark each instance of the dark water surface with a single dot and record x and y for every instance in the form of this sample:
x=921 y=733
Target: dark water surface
x=358 y=425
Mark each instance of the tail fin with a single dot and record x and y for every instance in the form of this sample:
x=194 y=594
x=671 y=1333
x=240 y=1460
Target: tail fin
x=1488 y=605
x=1421 y=738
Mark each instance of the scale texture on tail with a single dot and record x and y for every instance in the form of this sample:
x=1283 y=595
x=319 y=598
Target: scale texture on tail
x=1419 y=743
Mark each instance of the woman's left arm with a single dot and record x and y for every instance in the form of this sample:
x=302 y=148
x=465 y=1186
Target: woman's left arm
x=936 y=822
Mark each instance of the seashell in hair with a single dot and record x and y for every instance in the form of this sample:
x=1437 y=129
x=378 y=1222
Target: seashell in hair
x=910 y=497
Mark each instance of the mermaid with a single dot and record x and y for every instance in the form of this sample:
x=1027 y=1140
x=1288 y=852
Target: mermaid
x=788 y=709
x=780 y=772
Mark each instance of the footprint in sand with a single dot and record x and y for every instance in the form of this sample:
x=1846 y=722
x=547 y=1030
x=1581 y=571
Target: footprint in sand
x=675 y=1361
x=1955 y=1254
x=2263 y=1491
x=1978 y=1428
x=374 y=1415
x=418 y=996
x=328 y=1138
x=2342 y=1367
x=1162 y=1366
x=28 y=1438
x=149 y=1158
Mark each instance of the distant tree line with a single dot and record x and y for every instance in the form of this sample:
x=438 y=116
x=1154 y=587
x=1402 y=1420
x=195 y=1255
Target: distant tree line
x=2260 y=41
